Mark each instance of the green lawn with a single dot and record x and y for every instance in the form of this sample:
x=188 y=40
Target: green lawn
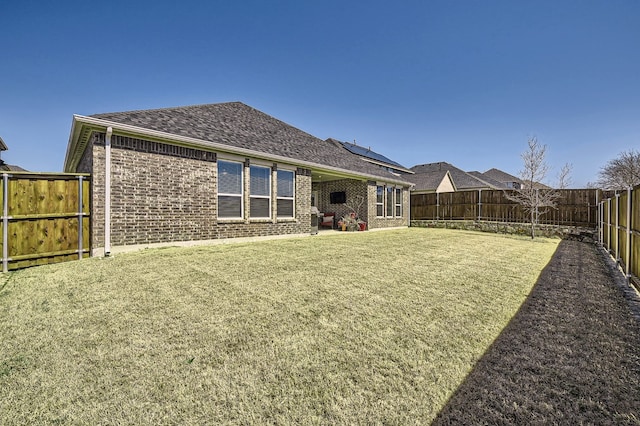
x=370 y=327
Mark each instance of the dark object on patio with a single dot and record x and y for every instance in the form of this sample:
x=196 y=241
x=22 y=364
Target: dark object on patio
x=327 y=220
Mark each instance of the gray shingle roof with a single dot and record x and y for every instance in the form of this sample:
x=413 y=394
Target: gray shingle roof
x=500 y=176
x=487 y=179
x=10 y=167
x=428 y=181
x=461 y=179
x=238 y=125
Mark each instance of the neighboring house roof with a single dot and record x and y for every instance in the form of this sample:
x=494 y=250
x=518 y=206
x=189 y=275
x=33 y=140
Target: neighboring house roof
x=505 y=178
x=501 y=176
x=372 y=156
x=461 y=179
x=538 y=185
x=487 y=179
x=10 y=167
x=434 y=181
x=232 y=127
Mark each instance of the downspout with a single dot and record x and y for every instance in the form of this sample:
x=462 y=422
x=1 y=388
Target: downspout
x=107 y=192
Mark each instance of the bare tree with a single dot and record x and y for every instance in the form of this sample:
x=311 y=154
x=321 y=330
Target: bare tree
x=356 y=204
x=564 y=177
x=535 y=197
x=621 y=172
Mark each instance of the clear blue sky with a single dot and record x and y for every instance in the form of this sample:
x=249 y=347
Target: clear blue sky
x=467 y=82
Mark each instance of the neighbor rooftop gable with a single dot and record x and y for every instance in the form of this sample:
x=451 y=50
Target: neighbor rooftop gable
x=462 y=179
x=501 y=176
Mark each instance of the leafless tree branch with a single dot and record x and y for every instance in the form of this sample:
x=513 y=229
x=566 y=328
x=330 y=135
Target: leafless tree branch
x=536 y=199
x=621 y=172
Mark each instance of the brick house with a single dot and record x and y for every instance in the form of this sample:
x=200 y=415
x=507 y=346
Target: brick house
x=206 y=172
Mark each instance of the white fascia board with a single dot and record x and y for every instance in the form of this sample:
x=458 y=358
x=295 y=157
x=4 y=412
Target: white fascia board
x=170 y=138
x=71 y=144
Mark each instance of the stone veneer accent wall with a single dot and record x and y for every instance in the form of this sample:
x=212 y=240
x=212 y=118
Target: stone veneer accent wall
x=161 y=194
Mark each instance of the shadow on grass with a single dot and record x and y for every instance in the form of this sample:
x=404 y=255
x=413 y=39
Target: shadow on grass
x=571 y=355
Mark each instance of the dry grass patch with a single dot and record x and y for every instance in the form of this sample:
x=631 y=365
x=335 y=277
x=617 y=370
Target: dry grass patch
x=354 y=328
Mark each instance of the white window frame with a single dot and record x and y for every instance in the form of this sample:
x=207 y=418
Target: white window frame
x=381 y=203
x=252 y=196
x=292 y=198
x=398 y=202
x=389 y=203
x=225 y=194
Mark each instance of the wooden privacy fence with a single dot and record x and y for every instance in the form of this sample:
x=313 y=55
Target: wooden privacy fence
x=574 y=207
x=45 y=218
x=619 y=229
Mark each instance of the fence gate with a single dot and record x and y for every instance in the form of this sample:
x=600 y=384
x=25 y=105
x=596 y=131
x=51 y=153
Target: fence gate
x=45 y=218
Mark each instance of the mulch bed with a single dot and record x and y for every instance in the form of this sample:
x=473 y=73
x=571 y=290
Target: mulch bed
x=571 y=355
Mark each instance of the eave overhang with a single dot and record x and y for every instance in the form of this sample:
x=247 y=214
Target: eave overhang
x=82 y=127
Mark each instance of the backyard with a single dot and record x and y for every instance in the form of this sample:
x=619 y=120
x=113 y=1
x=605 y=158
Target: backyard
x=373 y=327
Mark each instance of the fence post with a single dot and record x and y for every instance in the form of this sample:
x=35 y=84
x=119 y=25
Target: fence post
x=609 y=210
x=598 y=217
x=479 y=205
x=601 y=221
x=80 y=218
x=618 y=259
x=437 y=206
x=628 y=253
x=5 y=222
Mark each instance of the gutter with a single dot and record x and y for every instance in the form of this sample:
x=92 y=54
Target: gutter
x=126 y=129
x=107 y=192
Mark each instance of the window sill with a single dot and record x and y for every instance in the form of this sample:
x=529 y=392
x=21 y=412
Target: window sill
x=230 y=220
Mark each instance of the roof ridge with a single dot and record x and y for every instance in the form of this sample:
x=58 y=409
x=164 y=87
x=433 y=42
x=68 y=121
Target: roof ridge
x=181 y=107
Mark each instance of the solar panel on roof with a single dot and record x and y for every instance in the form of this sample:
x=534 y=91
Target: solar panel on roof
x=366 y=152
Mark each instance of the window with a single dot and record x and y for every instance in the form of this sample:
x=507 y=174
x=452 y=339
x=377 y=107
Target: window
x=286 y=191
x=260 y=192
x=389 y=201
x=398 y=202
x=380 y=201
x=230 y=189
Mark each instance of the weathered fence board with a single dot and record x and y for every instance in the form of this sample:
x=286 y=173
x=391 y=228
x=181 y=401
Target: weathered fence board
x=619 y=223
x=575 y=207
x=45 y=219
